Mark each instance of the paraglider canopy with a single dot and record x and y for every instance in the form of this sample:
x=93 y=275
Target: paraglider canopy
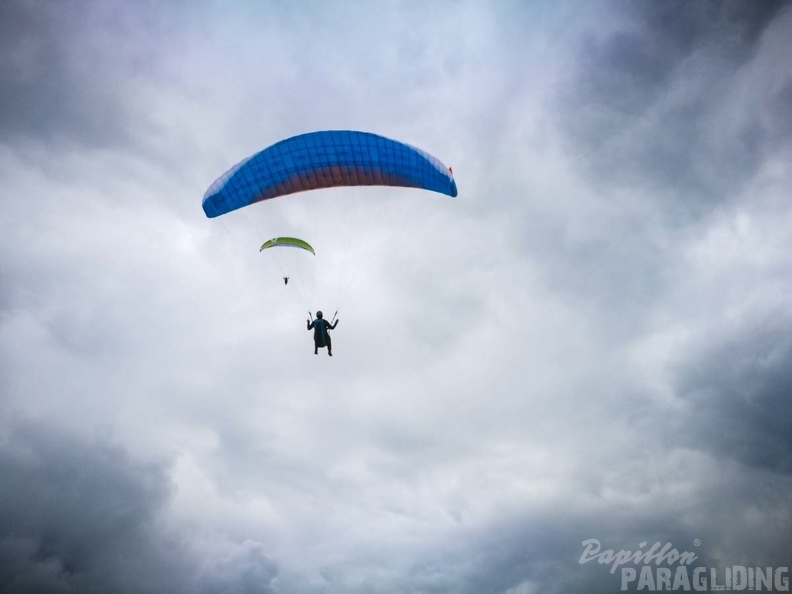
x=322 y=160
x=287 y=242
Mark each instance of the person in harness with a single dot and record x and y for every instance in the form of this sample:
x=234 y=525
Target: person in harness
x=321 y=334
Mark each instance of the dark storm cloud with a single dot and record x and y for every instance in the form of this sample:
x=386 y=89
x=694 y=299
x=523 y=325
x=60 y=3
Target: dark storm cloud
x=647 y=105
x=780 y=113
x=71 y=69
x=741 y=389
x=670 y=109
x=72 y=514
x=79 y=516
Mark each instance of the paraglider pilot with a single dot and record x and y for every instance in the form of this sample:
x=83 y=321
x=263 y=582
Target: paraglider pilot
x=285 y=280
x=321 y=334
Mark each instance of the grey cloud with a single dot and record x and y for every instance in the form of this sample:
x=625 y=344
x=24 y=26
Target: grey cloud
x=71 y=70
x=727 y=520
x=543 y=552
x=615 y=278
x=248 y=571
x=669 y=111
x=740 y=387
x=779 y=115
x=80 y=516
x=646 y=107
x=76 y=516
x=512 y=337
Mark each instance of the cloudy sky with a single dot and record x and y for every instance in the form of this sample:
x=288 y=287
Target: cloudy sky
x=592 y=341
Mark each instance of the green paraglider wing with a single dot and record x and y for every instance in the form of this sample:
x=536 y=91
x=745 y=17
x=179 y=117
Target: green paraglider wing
x=287 y=242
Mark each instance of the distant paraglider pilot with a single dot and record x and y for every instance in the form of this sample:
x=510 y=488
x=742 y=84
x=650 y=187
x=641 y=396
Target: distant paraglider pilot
x=285 y=280
x=321 y=334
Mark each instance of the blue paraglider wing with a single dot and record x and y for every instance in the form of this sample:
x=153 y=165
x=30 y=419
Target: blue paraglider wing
x=323 y=160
